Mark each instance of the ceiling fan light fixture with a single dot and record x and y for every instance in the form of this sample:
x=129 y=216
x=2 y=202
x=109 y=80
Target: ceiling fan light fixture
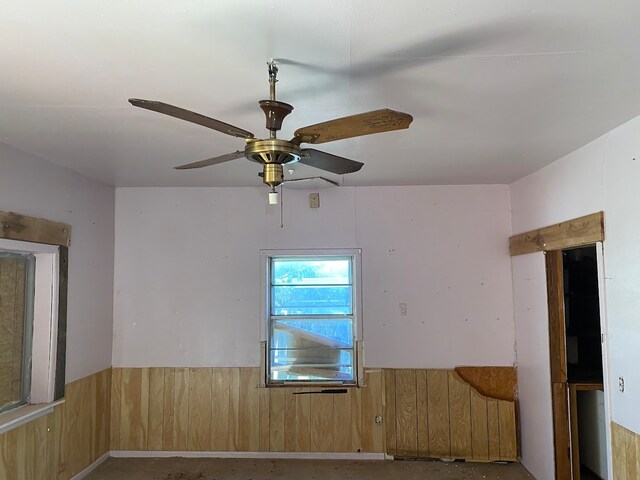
x=273 y=197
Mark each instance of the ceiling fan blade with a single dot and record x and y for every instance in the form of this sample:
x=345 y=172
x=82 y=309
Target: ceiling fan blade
x=376 y=121
x=329 y=162
x=212 y=161
x=190 y=116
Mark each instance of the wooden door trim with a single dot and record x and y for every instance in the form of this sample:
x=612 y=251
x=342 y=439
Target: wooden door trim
x=579 y=231
x=558 y=364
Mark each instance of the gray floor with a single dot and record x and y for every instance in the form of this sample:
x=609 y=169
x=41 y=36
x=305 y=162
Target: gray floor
x=262 y=469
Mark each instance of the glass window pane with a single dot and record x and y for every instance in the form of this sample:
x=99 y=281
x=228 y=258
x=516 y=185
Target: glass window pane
x=311 y=300
x=314 y=271
x=312 y=333
x=310 y=364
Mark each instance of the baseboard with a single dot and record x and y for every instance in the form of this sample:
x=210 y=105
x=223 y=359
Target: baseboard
x=283 y=455
x=91 y=467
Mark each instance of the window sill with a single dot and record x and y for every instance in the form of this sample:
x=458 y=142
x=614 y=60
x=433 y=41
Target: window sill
x=25 y=414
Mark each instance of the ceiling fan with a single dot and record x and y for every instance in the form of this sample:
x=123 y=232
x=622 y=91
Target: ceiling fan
x=273 y=153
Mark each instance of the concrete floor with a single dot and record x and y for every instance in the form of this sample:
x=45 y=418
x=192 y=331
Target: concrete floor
x=263 y=469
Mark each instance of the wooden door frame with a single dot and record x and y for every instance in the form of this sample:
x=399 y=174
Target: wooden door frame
x=558 y=364
x=582 y=231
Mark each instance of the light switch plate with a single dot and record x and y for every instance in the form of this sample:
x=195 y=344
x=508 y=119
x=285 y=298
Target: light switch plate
x=314 y=200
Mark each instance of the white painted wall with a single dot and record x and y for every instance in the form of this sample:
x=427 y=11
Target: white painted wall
x=534 y=377
x=592 y=427
x=32 y=186
x=187 y=271
x=603 y=175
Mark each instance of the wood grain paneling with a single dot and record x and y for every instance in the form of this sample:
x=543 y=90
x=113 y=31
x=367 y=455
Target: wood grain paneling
x=390 y=411
x=460 y=417
x=494 y=382
x=218 y=409
x=572 y=233
x=407 y=413
x=425 y=413
x=625 y=446
x=199 y=413
x=439 y=415
x=507 y=427
x=493 y=430
x=479 y=427
x=61 y=444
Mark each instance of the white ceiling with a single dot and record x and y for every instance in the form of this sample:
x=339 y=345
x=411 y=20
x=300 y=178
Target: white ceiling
x=497 y=88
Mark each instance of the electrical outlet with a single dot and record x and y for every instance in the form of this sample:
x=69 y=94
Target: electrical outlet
x=621 y=384
x=314 y=200
x=403 y=309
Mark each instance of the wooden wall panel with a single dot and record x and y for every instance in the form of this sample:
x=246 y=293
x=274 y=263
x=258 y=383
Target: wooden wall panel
x=438 y=413
x=372 y=435
x=342 y=422
x=199 y=412
x=248 y=410
x=61 y=444
x=507 y=427
x=218 y=409
x=156 y=400
x=406 y=413
x=425 y=413
x=494 y=382
x=453 y=419
x=322 y=423
x=460 y=417
x=625 y=446
x=390 y=411
x=493 y=430
x=303 y=421
x=479 y=427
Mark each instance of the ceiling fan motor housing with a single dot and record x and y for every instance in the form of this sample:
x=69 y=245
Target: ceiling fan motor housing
x=272 y=154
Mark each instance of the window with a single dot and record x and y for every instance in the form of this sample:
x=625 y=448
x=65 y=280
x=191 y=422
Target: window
x=312 y=307
x=16 y=323
x=29 y=288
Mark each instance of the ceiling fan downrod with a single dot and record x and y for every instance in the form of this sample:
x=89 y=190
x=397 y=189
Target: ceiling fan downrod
x=273 y=153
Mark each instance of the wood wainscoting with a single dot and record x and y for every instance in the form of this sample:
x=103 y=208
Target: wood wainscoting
x=61 y=444
x=625 y=447
x=435 y=414
x=422 y=413
x=224 y=409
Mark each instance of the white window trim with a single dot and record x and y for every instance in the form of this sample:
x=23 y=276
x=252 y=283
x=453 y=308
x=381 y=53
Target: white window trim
x=45 y=333
x=356 y=255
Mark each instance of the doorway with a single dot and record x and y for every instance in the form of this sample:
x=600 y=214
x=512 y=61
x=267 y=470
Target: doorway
x=576 y=363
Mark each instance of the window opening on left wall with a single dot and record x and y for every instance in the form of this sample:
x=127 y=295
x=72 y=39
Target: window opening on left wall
x=17 y=286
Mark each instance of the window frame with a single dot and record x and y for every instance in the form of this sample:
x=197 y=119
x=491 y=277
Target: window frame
x=49 y=241
x=43 y=328
x=355 y=254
